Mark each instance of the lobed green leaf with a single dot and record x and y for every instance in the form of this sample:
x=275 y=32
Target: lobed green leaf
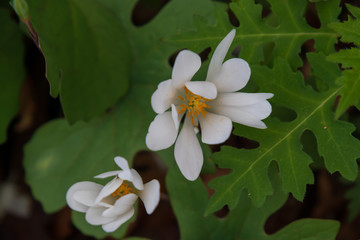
x=260 y=41
x=245 y=221
x=280 y=142
x=350 y=29
x=349 y=58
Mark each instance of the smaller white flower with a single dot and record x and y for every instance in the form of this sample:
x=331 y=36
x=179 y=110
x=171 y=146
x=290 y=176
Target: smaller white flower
x=112 y=205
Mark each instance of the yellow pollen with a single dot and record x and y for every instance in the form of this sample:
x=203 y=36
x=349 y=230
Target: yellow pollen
x=193 y=104
x=125 y=188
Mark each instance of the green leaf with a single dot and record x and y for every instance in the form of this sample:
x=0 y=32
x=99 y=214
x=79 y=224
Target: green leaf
x=350 y=92
x=12 y=70
x=209 y=165
x=189 y=200
x=87 y=54
x=309 y=229
x=136 y=238
x=353 y=195
x=255 y=34
x=281 y=140
x=349 y=58
x=350 y=29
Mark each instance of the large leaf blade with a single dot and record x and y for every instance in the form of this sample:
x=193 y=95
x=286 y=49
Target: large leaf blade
x=12 y=72
x=82 y=42
x=281 y=141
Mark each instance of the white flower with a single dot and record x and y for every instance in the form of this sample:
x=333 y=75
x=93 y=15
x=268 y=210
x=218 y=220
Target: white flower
x=213 y=104
x=112 y=205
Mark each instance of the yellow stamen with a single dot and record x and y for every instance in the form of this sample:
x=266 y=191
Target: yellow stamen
x=125 y=188
x=193 y=104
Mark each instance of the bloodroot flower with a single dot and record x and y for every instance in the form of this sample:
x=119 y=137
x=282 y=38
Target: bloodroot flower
x=213 y=104
x=112 y=205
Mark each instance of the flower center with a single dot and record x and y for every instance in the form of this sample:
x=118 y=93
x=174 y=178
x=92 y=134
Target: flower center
x=125 y=188
x=193 y=104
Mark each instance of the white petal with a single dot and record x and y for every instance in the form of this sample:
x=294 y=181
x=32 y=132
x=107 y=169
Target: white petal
x=163 y=97
x=125 y=175
x=215 y=128
x=219 y=55
x=260 y=110
x=86 y=197
x=109 y=188
x=176 y=116
x=80 y=186
x=203 y=89
x=244 y=108
x=94 y=216
x=150 y=195
x=121 y=206
x=187 y=63
x=107 y=174
x=188 y=153
x=233 y=76
x=122 y=163
x=243 y=116
x=112 y=226
x=162 y=132
x=137 y=180
x=240 y=99
x=107 y=202
x=132 y=176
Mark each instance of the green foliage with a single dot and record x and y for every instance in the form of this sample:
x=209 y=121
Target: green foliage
x=353 y=195
x=350 y=60
x=82 y=42
x=256 y=36
x=281 y=141
x=349 y=30
x=136 y=238
x=245 y=221
x=308 y=229
x=11 y=69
